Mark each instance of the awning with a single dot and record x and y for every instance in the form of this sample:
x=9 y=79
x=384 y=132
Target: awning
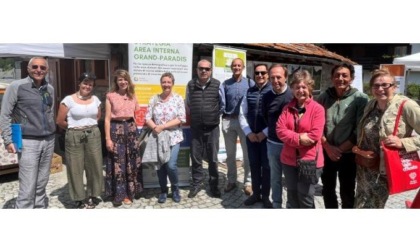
x=57 y=50
x=411 y=62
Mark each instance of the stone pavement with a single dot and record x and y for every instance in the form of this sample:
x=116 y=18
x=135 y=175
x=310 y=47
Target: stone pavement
x=57 y=190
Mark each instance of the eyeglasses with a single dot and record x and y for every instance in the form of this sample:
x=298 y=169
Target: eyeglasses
x=262 y=73
x=204 y=68
x=383 y=85
x=43 y=68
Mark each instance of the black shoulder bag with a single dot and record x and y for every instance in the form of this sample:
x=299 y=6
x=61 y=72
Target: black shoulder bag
x=306 y=168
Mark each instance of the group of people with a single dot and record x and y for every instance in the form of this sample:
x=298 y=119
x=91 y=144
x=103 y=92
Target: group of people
x=278 y=126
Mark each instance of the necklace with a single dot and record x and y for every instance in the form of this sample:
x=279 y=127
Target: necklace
x=84 y=98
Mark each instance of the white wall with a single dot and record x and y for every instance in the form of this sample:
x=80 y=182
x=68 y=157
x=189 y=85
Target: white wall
x=414 y=77
x=415 y=48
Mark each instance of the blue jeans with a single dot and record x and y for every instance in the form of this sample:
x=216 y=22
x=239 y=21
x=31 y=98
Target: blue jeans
x=170 y=170
x=273 y=153
x=34 y=171
x=260 y=169
x=231 y=131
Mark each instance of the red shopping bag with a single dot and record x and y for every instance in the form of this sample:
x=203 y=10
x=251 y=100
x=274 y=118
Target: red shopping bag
x=402 y=169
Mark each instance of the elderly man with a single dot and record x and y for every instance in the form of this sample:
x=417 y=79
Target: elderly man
x=204 y=102
x=29 y=102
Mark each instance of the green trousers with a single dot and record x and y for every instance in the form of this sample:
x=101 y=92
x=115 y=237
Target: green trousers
x=83 y=150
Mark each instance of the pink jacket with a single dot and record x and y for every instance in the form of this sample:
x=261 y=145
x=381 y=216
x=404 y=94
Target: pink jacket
x=312 y=122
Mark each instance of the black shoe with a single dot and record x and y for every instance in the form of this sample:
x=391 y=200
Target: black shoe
x=116 y=204
x=80 y=205
x=252 y=200
x=162 y=198
x=230 y=187
x=175 y=196
x=214 y=190
x=194 y=191
x=267 y=203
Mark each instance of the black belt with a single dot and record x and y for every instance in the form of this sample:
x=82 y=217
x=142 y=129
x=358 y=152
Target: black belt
x=227 y=116
x=122 y=121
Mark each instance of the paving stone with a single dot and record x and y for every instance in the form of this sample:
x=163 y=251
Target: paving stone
x=59 y=197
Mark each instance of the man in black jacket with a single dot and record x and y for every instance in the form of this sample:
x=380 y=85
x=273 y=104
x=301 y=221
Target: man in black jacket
x=204 y=103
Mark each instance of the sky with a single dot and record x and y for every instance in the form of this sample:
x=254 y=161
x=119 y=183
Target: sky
x=213 y=21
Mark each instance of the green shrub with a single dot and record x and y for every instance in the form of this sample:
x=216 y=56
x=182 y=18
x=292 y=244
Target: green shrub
x=413 y=91
x=366 y=89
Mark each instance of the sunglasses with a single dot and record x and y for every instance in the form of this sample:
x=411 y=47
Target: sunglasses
x=43 y=68
x=204 y=68
x=262 y=73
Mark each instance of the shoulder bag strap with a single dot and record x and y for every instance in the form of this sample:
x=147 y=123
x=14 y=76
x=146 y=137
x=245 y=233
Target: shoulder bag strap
x=397 y=120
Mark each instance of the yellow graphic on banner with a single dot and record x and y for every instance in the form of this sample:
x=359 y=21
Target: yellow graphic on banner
x=145 y=91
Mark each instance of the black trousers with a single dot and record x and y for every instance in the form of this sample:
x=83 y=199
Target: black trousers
x=260 y=167
x=346 y=170
x=204 y=144
x=299 y=195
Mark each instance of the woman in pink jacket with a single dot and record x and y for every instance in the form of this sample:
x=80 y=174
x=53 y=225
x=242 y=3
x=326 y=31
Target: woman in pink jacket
x=300 y=127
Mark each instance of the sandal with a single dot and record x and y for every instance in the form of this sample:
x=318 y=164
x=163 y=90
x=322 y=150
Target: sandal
x=80 y=205
x=90 y=204
x=96 y=200
x=127 y=201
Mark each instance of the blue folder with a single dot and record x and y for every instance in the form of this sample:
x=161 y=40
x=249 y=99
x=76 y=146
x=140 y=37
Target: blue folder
x=17 y=136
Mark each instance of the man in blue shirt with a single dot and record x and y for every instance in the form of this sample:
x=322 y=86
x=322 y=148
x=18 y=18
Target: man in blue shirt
x=233 y=91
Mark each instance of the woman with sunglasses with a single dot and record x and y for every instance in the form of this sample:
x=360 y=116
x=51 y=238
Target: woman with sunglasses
x=78 y=115
x=377 y=125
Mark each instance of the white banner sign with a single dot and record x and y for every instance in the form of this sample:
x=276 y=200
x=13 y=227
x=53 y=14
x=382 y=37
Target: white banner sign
x=148 y=61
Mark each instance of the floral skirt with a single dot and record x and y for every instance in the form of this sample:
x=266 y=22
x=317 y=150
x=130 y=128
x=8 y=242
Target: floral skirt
x=123 y=177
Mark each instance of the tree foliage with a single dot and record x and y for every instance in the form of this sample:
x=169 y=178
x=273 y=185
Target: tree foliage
x=6 y=64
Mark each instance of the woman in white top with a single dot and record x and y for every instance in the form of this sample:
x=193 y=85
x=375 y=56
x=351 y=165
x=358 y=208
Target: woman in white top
x=78 y=115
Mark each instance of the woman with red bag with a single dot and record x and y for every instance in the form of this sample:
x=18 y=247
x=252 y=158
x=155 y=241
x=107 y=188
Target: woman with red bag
x=377 y=125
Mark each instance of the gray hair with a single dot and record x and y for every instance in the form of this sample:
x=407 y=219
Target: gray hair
x=34 y=58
